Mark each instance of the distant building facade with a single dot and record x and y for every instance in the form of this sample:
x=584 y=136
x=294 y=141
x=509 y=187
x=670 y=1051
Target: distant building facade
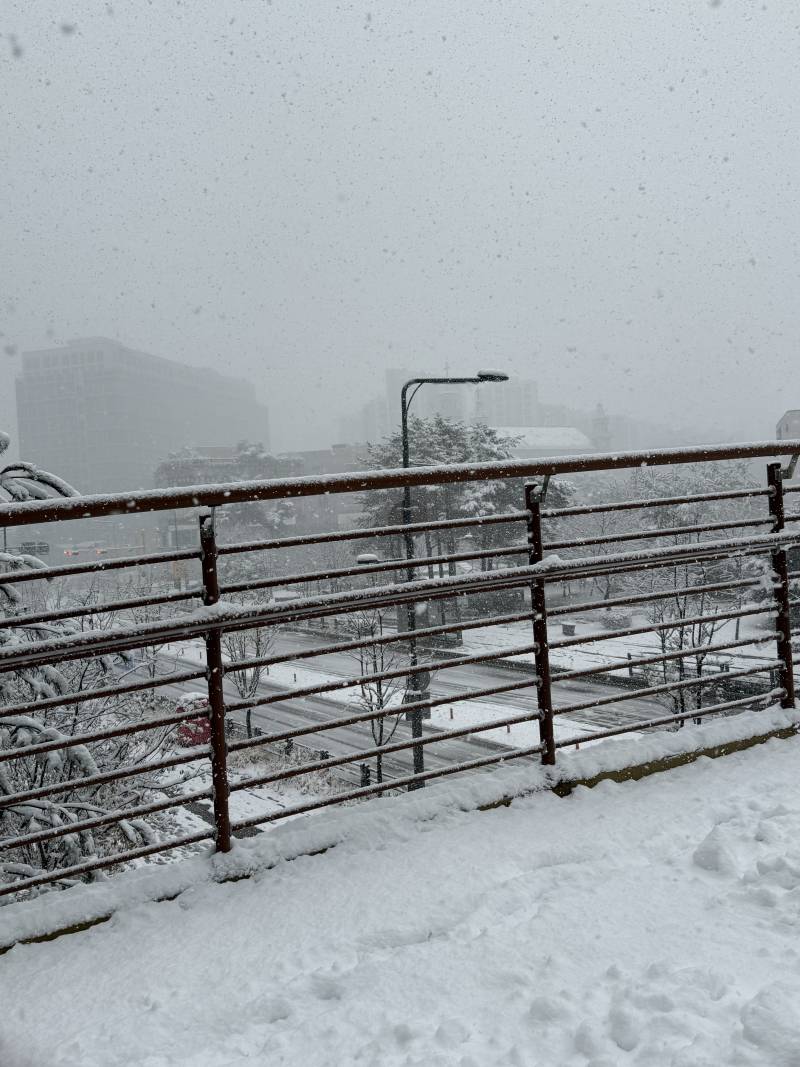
x=103 y=416
x=329 y=511
x=511 y=403
x=601 y=430
x=503 y=405
x=788 y=425
x=379 y=416
x=216 y=464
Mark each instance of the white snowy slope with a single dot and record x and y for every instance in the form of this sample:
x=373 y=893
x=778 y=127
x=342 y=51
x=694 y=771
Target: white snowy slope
x=652 y=923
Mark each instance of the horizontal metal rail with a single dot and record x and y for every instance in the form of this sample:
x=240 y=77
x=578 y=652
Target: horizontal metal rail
x=378 y=713
x=379 y=676
x=648 y=597
x=71 y=872
x=477 y=554
x=678 y=623
x=110 y=818
x=68 y=699
x=39 y=817
x=667 y=720
x=555 y=569
x=209 y=496
x=647 y=661
x=644 y=535
x=41 y=574
x=12 y=800
x=512 y=753
x=653 y=502
x=369 y=532
x=372 y=568
x=233 y=617
x=390 y=784
x=384 y=750
x=68 y=742
x=324 y=606
x=666 y=687
x=67 y=873
x=110 y=607
x=392 y=637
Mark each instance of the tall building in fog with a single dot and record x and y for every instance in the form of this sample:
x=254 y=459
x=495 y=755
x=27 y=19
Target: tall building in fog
x=449 y=401
x=103 y=416
x=512 y=403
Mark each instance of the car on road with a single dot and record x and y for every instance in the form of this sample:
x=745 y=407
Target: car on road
x=196 y=730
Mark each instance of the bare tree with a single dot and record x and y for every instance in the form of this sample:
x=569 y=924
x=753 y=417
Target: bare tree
x=153 y=661
x=243 y=645
x=48 y=685
x=683 y=597
x=375 y=693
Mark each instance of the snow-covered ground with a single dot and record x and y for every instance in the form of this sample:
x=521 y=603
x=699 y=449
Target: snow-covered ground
x=479 y=712
x=651 y=923
x=616 y=649
x=450 y=716
x=243 y=803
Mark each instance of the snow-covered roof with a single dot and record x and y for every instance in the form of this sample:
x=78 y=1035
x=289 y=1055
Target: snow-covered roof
x=544 y=437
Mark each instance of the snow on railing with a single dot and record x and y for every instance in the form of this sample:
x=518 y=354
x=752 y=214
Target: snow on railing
x=385 y=673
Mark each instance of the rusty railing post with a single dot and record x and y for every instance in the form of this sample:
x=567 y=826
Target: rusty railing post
x=780 y=567
x=533 y=506
x=214 y=678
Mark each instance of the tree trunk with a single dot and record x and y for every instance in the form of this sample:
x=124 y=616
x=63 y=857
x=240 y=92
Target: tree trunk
x=429 y=552
x=442 y=606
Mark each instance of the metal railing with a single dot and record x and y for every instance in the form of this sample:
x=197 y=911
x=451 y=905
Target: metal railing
x=95 y=758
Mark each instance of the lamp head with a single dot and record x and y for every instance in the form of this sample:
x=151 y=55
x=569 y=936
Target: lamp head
x=492 y=376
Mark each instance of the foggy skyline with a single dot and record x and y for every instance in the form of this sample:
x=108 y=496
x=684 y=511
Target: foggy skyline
x=602 y=198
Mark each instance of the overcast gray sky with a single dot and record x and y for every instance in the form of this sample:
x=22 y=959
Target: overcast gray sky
x=601 y=194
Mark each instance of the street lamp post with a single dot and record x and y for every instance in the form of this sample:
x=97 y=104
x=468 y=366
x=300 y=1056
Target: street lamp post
x=405 y=402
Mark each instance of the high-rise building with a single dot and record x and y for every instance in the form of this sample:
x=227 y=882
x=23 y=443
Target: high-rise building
x=103 y=416
x=449 y=401
x=601 y=429
x=459 y=402
x=511 y=403
x=788 y=425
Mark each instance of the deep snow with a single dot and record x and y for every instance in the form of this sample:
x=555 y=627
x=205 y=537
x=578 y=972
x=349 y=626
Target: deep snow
x=648 y=923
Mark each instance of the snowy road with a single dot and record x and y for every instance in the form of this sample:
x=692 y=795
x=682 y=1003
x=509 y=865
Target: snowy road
x=457 y=680
x=453 y=683
x=343 y=740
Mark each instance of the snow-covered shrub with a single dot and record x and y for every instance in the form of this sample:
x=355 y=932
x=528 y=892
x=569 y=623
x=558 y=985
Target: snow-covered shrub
x=28 y=770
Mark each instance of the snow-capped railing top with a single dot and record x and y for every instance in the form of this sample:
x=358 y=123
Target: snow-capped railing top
x=679 y=594
x=23 y=514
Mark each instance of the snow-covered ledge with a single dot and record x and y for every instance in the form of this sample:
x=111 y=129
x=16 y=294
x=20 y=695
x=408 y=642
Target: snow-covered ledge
x=383 y=822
